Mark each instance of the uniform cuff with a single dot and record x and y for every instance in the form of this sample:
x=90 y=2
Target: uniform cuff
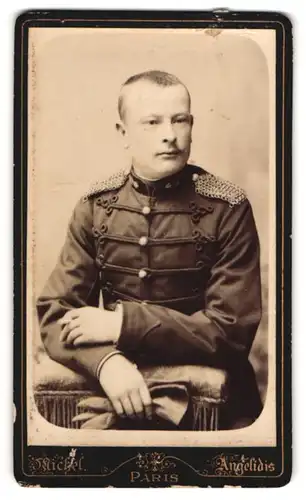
x=138 y=321
x=108 y=356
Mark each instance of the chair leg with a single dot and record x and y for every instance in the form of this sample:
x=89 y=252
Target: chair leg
x=205 y=415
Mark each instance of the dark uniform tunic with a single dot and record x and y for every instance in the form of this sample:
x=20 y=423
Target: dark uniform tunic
x=182 y=256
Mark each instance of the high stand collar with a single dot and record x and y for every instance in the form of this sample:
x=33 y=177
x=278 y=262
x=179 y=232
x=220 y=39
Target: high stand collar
x=164 y=185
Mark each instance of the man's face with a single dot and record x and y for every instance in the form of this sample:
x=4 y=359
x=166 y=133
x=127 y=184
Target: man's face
x=157 y=128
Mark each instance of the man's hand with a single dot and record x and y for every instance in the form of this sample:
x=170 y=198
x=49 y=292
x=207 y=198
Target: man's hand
x=90 y=325
x=125 y=387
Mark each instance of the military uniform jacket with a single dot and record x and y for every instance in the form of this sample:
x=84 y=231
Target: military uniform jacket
x=182 y=256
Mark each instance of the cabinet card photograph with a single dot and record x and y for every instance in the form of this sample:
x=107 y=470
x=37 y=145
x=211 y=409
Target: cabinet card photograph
x=152 y=248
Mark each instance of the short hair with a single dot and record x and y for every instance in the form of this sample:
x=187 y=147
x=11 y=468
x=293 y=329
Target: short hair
x=160 y=78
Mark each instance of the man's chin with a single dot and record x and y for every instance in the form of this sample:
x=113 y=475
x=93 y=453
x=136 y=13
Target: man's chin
x=169 y=166
x=160 y=168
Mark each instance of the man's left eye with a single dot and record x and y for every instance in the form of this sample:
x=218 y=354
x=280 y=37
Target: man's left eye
x=181 y=120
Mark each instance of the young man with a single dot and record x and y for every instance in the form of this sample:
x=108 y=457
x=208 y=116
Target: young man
x=175 y=252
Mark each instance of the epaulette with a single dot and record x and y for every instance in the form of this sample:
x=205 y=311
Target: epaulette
x=214 y=187
x=115 y=181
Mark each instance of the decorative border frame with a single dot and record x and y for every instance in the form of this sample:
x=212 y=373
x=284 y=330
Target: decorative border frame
x=146 y=467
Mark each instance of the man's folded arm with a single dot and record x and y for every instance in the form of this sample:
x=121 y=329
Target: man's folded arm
x=223 y=331
x=73 y=283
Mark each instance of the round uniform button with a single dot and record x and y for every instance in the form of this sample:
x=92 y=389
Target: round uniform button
x=195 y=177
x=146 y=210
x=143 y=241
x=142 y=273
x=135 y=184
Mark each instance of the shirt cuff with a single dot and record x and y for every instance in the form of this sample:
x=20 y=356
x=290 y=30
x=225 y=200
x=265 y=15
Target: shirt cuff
x=108 y=356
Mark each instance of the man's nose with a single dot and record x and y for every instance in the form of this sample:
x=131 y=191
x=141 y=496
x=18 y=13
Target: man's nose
x=168 y=133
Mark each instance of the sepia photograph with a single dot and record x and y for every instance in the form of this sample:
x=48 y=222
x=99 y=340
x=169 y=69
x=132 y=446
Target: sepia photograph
x=151 y=237
x=155 y=314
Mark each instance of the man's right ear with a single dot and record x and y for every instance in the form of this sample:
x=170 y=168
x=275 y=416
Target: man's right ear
x=122 y=132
